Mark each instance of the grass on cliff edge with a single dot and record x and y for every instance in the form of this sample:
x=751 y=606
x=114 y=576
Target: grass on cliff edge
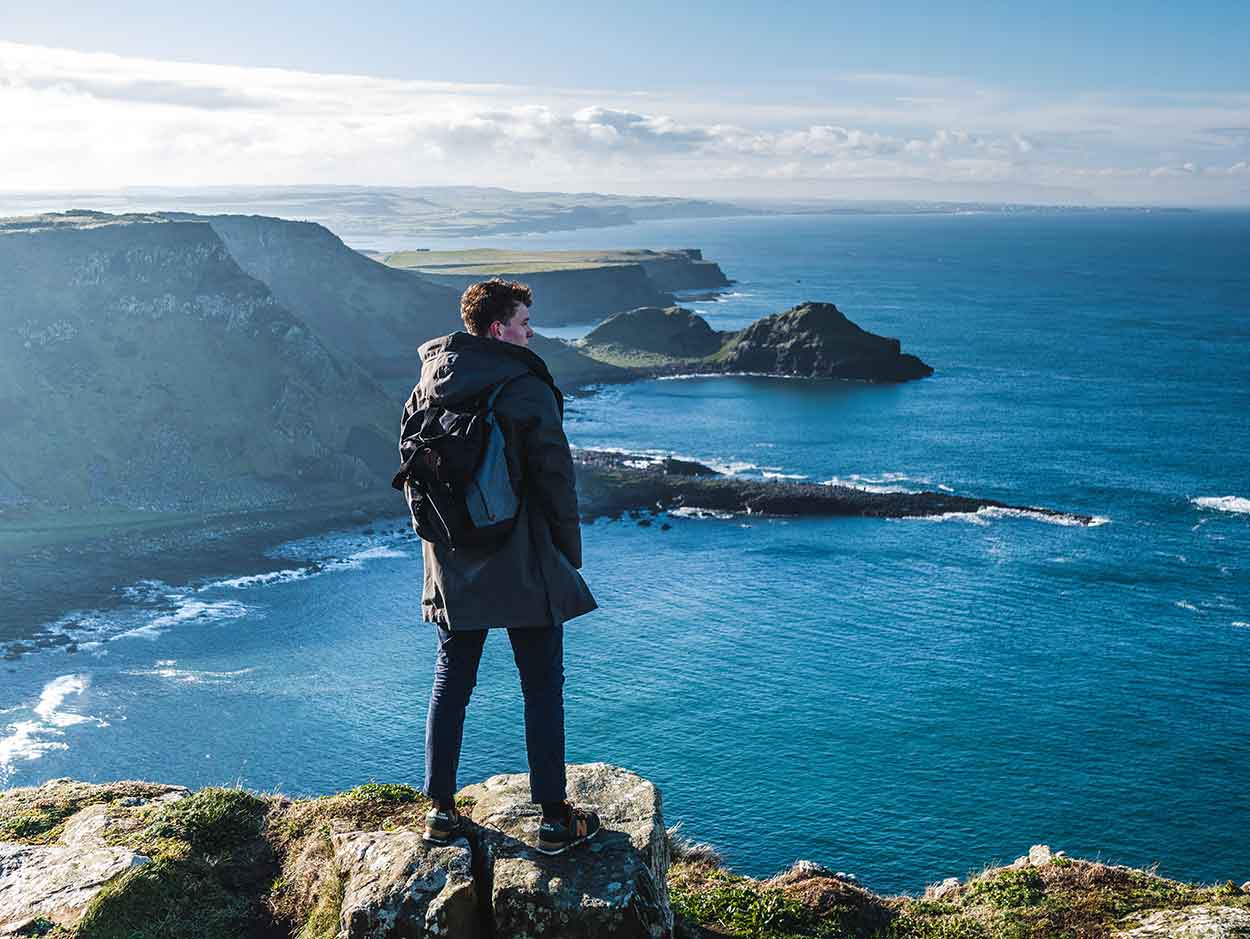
x=1066 y=898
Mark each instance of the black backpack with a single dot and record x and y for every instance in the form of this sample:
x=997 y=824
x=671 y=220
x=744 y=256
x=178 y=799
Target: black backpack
x=455 y=475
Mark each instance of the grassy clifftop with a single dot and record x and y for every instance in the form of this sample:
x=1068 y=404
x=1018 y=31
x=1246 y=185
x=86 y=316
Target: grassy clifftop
x=223 y=863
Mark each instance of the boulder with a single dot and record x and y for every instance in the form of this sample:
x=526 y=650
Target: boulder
x=938 y=891
x=56 y=882
x=615 y=885
x=1195 y=922
x=396 y=885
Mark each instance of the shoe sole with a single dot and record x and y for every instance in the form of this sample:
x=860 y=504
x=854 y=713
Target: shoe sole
x=572 y=844
x=442 y=840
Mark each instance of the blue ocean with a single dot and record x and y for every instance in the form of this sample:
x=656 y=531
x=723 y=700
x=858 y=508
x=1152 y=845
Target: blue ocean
x=905 y=700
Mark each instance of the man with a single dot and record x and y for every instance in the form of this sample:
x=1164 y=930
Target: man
x=528 y=583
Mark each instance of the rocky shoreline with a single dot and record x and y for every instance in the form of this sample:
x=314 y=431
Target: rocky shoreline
x=148 y=860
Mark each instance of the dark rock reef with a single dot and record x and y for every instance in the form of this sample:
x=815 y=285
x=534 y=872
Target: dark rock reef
x=610 y=483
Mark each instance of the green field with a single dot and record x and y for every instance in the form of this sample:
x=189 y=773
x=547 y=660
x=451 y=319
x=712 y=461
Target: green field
x=499 y=261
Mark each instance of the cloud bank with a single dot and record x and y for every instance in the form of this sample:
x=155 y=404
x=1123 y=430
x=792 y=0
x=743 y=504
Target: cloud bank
x=90 y=120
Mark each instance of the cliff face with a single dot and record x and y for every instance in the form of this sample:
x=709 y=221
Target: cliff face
x=575 y=296
x=141 y=367
x=683 y=269
x=367 y=311
x=812 y=340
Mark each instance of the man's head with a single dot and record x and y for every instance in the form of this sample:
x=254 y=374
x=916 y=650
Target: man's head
x=498 y=309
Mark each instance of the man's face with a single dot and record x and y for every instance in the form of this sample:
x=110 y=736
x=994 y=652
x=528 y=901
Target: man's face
x=517 y=330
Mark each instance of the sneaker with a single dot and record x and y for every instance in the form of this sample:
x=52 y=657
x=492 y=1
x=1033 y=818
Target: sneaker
x=442 y=826
x=557 y=837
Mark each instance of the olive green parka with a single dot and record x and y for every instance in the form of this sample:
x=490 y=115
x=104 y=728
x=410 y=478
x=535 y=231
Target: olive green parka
x=531 y=578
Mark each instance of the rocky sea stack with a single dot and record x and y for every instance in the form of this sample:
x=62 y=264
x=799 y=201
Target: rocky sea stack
x=145 y=860
x=811 y=340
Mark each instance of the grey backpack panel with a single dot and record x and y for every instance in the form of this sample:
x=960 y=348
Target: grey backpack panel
x=489 y=496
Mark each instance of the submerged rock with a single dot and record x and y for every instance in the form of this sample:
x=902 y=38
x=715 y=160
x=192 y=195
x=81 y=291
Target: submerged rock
x=616 y=885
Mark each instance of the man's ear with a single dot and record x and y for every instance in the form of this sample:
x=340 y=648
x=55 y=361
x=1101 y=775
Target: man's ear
x=494 y=329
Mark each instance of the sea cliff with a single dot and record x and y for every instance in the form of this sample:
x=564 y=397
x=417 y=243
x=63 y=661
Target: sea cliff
x=148 y=860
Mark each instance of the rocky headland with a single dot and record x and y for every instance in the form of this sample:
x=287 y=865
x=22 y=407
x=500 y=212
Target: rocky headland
x=811 y=340
x=572 y=286
x=146 y=860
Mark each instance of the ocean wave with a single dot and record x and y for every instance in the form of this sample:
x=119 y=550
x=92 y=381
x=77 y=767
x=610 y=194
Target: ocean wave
x=986 y=514
x=153 y=607
x=646 y=458
x=1241 y=623
x=165 y=669
x=881 y=482
x=1186 y=605
x=45 y=731
x=771 y=474
x=186 y=610
x=1235 y=504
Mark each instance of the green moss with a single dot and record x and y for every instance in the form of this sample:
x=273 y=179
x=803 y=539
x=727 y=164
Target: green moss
x=213 y=821
x=170 y=898
x=323 y=921
x=37 y=814
x=384 y=792
x=739 y=905
x=28 y=825
x=1008 y=888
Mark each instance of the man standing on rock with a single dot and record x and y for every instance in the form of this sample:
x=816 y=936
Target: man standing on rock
x=528 y=583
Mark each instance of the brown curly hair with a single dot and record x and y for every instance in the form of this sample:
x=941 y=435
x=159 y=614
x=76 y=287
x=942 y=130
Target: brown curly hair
x=489 y=300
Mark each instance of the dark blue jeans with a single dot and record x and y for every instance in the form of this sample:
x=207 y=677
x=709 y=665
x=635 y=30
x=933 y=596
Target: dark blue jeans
x=539 y=655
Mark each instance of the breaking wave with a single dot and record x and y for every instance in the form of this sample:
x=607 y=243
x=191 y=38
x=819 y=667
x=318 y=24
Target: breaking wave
x=44 y=730
x=1235 y=504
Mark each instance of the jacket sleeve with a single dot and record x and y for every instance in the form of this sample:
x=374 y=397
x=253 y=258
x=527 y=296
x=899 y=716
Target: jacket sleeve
x=548 y=461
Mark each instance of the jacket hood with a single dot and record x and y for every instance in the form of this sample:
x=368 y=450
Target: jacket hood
x=458 y=367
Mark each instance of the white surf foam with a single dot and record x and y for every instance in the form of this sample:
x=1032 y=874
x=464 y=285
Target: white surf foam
x=44 y=731
x=1235 y=504
x=694 y=511
x=1242 y=623
x=771 y=474
x=186 y=610
x=986 y=514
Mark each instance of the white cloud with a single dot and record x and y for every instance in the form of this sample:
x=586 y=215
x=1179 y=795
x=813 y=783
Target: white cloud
x=82 y=120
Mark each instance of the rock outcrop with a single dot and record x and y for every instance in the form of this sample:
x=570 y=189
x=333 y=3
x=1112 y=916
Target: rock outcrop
x=812 y=340
x=55 y=882
x=612 y=483
x=1196 y=922
x=572 y=286
x=84 y=861
x=352 y=865
x=394 y=884
x=615 y=886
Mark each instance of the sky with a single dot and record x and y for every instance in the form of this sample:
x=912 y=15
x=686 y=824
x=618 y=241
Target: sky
x=1053 y=103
